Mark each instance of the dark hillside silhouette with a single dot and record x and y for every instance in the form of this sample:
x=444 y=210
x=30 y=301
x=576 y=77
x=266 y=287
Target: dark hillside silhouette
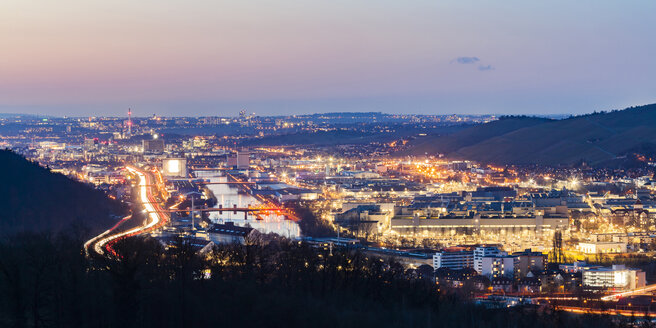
x=34 y=199
x=599 y=139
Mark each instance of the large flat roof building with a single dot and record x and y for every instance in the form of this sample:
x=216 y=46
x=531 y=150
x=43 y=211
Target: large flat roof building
x=476 y=223
x=616 y=277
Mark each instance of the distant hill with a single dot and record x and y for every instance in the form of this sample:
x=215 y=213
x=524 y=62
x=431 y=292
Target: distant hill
x=473 y=135
x=597 y=139
x=339 y=137
x=7 y=115
x=34 y=199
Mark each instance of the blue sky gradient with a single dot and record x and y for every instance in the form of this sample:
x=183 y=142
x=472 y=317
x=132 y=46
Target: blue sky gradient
x=195 y=57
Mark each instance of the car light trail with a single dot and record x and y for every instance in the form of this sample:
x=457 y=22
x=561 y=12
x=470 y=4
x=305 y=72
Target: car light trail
x=155 y=219
x=637 y=291
x=95 y=239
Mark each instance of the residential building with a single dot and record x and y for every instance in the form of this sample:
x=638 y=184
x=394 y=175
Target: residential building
x=453 y=258
x=482 y=251
x=529 y=261
x=496 y=266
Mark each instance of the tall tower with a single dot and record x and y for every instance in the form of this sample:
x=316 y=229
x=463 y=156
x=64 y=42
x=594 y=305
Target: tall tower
x=558 y=256
x=129 y=121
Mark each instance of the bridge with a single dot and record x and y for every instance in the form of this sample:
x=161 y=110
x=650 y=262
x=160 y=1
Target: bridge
x=255 y=210
x=289 y=215
x=225 y=182
x=227 y=209
x=201 y=182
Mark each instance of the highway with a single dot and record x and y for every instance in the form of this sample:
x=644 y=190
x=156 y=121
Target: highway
x=155 y=219
x=584 y=310
x=638 y=291
x=97 y=247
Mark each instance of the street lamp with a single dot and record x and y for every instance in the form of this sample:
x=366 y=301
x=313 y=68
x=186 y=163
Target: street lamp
x=193 y=226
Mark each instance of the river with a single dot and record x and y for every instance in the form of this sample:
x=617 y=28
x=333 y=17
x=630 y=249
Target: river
x=229 y=195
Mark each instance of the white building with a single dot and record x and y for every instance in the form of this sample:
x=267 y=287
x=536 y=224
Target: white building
x=482 y=251
x=602 y=247
x=615 y=277
x=496 y=266
x=174 y=167
x=453 y=259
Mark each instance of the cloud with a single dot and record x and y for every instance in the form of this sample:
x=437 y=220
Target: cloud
x=466 y=60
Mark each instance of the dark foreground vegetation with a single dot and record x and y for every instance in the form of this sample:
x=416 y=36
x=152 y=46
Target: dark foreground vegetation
x=310 y=224
x=46 y=281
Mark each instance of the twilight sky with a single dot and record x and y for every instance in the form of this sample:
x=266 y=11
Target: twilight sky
x=215 y=57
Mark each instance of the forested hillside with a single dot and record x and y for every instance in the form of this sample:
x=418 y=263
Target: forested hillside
x=596 y=139
x=34 y=199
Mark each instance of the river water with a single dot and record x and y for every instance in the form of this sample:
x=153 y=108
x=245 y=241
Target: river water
x=230 y=195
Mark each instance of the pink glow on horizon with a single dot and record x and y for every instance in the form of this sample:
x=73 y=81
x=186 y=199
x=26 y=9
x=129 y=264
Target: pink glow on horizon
x=77 y=53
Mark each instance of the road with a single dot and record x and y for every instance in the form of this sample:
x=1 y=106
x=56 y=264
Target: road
x=626 y=313
x=633 y=292
x=155 y=218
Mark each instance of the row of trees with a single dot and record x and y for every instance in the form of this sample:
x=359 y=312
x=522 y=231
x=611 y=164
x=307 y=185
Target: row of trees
x=46 y=281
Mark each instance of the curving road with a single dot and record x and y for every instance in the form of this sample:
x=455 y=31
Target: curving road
x=156 y=217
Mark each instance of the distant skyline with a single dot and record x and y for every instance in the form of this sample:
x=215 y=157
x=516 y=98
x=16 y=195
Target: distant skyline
x=201 y=57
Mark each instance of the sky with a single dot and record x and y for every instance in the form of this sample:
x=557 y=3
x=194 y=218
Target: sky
x=217 y=57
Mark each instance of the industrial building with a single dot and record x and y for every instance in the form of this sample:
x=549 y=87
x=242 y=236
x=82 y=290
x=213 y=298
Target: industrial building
x=617 y=277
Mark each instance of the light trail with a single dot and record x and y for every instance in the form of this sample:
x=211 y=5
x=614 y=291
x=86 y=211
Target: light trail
x=156 y=218
x=583 y=310
x=96 y=238
x=637 y=291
